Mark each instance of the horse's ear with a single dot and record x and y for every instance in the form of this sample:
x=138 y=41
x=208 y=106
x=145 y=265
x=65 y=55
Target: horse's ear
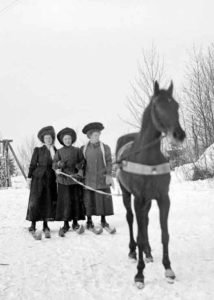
x=170 y=89
x=156 y=88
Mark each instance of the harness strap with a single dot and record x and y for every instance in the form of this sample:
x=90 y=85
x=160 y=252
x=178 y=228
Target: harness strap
x=141 y=169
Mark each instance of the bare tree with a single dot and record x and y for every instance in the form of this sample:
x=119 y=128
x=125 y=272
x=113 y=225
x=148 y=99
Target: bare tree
x=199 y=93
x=150 y=68
x=25 y=152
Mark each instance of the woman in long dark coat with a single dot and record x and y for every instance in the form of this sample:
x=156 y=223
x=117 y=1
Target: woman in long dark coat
x=42 y=181
x=98 y=169
x=68 y=159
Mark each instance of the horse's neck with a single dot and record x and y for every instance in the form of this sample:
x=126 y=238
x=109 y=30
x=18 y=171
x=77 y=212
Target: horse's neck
x=148 y=143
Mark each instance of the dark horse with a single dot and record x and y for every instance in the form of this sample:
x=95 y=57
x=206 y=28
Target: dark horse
x=144 y=172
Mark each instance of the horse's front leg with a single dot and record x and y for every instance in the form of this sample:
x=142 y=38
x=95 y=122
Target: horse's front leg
x=164 y=204
x=141 y=238
x=130 y=218
x=147 y=248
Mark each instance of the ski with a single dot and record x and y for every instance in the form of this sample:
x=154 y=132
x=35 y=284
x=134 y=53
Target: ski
x=96 y=229
x=47 y=234
x=37 y=235
x=110 y=229
x=80 y=229
x=61 y=232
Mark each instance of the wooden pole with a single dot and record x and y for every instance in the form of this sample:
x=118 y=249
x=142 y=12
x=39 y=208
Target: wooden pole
x=8 y=164
x=17 y=161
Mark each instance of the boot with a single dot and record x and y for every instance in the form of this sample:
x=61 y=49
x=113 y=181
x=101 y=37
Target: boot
x=103 y=222
x=75 y=225
x=66 y=226
x=89 y=223
x=45 y=226
x=32 y=227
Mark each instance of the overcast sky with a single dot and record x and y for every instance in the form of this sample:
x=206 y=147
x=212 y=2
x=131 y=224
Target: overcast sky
x=70 y=62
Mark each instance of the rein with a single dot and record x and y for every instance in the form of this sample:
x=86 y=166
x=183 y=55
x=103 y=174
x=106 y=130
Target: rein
x=88 y=187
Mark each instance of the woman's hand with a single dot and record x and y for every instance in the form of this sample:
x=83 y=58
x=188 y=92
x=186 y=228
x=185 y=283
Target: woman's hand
x=58 y=171
x=61 y=164
x=110 y=181
x=80 y=173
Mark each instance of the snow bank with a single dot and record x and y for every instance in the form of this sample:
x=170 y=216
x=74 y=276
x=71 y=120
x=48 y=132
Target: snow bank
x=204 y=164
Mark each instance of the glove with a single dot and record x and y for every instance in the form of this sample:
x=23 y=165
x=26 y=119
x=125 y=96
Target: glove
x=61 y=164
x=28 y=183
x=110 y=181
x=57 y=171
x=80 y=173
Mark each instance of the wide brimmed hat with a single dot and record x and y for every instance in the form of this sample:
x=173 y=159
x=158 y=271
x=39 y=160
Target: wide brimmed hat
x=93 y=126
x=48 y=130
x=66 y=131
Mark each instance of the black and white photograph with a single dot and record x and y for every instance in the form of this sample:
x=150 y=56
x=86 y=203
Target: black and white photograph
x=106 y=150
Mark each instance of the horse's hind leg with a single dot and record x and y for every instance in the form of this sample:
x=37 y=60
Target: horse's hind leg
x=164 y=204
x=130 y=218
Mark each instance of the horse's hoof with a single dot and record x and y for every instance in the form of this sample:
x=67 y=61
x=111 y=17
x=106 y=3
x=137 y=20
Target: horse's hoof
x=139 y=281
x=61 y=232
x=133 y=255
x=140 y=285
x=170 y=275
x=149 y=259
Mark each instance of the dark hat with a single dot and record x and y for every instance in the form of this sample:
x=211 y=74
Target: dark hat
x=48 y=130
x=92 y=126
x=66 y=131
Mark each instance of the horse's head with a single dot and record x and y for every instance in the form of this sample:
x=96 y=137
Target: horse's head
x=164 y=110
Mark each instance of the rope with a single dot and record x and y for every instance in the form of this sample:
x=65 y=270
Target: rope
x=88 y=187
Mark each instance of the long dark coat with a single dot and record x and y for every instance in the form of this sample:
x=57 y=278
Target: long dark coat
x=70 y=204
x=43 y=191
x=98 y=164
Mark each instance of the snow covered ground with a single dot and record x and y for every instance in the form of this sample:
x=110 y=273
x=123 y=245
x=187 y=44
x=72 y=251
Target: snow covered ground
x=97 y=267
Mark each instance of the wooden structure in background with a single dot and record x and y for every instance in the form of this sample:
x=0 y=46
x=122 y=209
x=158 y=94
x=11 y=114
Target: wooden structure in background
x=5 y=176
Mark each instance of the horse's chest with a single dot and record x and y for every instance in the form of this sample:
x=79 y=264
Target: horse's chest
x=148 y=187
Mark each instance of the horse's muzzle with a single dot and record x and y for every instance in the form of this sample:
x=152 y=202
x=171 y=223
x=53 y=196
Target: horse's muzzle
x=179 y=134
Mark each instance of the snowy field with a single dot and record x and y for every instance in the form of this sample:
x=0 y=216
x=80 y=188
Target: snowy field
x=97 y=267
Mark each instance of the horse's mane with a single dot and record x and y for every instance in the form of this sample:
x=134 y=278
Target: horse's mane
x=125 y=139
x=146 y=117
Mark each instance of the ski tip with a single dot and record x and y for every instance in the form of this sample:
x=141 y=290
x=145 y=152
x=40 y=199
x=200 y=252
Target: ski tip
x=37 y=235
x=110 y=230
x=47 y=235
x=61 y=232
x=113 y=231
x=97 y=229
x=81 y=229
